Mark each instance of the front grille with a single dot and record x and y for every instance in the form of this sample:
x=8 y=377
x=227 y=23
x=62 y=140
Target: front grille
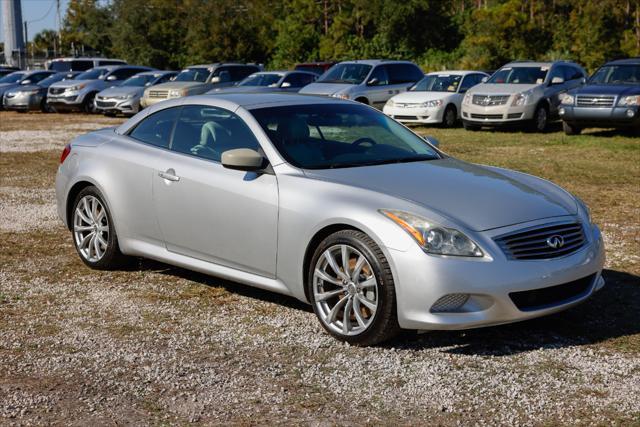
x=514 y=115
x=595 y=101
x=407 y=104
x=105 y=104
x=158 y=93
x=490 y=100
x=538 y=299
x=486 y=116
x=406 y=117
x=56 y=90
x=549 y=241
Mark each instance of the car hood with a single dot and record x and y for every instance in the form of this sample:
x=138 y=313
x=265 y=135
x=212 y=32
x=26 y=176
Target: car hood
x=122 y=91
x=490 y=88
x=417 y=96
x=325 y=88
x=6 y=86
x=71 y=83
x=477 y=197
x=245 y=89
x=178 y=85
x=622 y=90
x=24 y=88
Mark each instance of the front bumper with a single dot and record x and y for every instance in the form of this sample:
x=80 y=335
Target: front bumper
x=497 y=115
x=423 y=279
x=414 y=115
x=117 y=105
x=22 y=102
x=601 y=117
x=67 y=101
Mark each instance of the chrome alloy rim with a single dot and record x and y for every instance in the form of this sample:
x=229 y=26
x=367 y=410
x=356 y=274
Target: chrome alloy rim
x=345 y=290
x=91 y=228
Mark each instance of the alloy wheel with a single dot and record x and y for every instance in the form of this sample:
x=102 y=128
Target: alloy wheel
x=91 y=228
x=345 y=290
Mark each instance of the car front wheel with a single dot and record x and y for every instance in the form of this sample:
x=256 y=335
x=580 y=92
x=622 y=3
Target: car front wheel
x=94 y=236
x=351 y=289
x=541 y=119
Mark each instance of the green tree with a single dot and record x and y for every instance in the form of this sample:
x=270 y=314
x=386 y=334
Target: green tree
x=87 y=26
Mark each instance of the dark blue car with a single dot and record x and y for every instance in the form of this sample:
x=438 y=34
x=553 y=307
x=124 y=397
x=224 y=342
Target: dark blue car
x=611 y=98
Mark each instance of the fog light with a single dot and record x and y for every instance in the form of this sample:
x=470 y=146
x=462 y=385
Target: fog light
x=630 y=113
x=561 y=111
x=450 y=303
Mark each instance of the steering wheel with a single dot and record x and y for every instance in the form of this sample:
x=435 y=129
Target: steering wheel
x=364 y=140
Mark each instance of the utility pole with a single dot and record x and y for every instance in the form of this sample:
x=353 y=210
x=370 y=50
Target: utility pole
x=26 y=45
x=12 y=26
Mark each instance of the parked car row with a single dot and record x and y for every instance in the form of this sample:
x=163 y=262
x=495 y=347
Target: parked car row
x=521 y=93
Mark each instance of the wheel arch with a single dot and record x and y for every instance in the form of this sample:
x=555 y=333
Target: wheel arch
x=73 y=192
x=362 y=99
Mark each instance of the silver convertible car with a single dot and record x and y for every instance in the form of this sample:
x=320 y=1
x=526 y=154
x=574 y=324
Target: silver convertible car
x=333 y=203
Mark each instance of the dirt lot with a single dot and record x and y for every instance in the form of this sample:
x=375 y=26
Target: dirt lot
x=161 y=345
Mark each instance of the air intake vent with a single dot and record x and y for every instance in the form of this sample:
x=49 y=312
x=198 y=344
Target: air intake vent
x=539 y=299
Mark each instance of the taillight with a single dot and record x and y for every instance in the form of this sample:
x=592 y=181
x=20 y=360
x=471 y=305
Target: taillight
x=65 y=153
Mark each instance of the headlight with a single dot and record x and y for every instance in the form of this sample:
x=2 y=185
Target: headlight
x=177 y=93
x=585 y=209
x=433 y=238
x=432 y=104
x=75 y=88
x=627 y=101
x=567 y=99
x=340 y=95
x=467 y=98
x=521 y=99
x=390 y=103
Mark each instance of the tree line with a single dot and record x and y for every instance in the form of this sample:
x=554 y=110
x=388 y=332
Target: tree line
x=436 y=34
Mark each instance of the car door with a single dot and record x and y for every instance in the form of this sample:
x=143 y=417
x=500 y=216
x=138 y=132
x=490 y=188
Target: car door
x=468 y=81
x=118 y=76
x=402 y=76
x=138 y=152
x=378 y=90
x=207 y=211
x=553 y=91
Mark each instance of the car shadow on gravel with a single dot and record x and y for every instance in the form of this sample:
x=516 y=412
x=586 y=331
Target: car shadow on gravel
x=611 y=313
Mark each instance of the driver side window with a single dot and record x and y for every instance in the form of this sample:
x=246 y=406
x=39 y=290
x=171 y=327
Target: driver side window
x=379 y=73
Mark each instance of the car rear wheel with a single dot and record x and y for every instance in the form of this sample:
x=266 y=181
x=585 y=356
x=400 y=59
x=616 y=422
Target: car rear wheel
x=351 y=289
x=94 y=236
x=450 y=117
x=570 y=129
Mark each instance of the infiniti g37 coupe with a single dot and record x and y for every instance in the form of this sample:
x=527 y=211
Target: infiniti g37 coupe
x=333 y=203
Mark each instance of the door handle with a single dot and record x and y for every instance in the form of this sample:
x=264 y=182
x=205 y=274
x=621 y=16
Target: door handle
x=169 y=175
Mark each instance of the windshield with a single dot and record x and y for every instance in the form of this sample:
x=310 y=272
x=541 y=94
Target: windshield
x=617 y=75
x=340 y=135
x=261 y=80
x=346 y=73
x=92 y=74
x=193 y=75
x=139 y=80
x=519 y=75
x=438 y=83
x=13 y=77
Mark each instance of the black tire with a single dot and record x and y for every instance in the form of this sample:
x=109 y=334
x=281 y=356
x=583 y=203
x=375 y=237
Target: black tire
x=88 y=105
x=109 y=114
x=540 y=119
x=112 y=257
x=363 y=100
x=570 y=129
x=469 y=126
x=384 y=324
x=450 y=116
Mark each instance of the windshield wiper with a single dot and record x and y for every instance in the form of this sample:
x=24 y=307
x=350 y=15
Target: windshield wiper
x=382 y=162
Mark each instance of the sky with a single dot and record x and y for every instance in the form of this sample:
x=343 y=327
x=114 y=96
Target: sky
x=40 y=15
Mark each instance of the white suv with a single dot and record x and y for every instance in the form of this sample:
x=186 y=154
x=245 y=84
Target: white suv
x=521 y=93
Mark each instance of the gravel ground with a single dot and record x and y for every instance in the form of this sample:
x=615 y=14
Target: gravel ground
x=161 y=345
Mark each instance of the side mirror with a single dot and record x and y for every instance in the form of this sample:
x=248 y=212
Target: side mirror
x=25 y=82
x=557 y=81
x=374 y=81
x=243 y=159
x=111 y=78
x=431 y=140
x=285 y=84
x=484 y=79
x=583 y=80
x=215 y=80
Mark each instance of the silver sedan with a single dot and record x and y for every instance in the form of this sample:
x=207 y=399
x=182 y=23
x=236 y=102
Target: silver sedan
x=333 y=203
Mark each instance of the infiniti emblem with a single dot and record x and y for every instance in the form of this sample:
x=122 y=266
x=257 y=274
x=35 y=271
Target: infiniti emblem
x=555 y=242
